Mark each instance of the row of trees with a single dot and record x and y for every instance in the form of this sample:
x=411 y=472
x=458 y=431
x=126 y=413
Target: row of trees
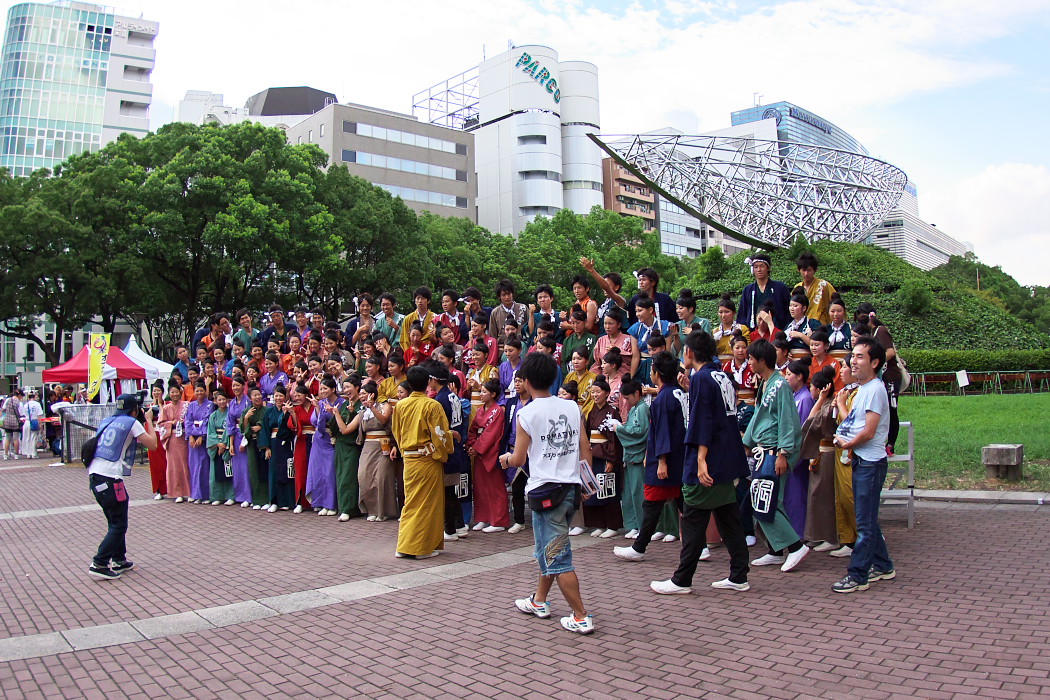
x=167 y=229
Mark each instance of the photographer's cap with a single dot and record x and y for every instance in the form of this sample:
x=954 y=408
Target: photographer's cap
x=126 y=403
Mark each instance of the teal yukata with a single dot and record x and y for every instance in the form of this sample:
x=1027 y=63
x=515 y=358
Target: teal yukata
x=633 y=436
x=776 y=426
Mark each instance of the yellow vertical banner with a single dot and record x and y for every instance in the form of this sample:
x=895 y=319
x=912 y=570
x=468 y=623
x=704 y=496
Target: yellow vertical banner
x=97 y=354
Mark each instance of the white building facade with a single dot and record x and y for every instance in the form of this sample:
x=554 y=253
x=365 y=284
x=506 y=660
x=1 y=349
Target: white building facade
x=530 y=114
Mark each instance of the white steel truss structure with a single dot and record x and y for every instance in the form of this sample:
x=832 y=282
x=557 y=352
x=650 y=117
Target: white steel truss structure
x=763 y=192
x=452 y=103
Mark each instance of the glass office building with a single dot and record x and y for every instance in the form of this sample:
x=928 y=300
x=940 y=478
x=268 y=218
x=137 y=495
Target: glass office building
x=797 y=125
x=73 y=76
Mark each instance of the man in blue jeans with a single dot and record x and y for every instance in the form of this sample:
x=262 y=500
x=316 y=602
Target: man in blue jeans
x=551 y=436
x=864 y=432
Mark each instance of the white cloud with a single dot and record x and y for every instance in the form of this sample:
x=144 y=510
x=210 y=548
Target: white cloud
x=1002 y=211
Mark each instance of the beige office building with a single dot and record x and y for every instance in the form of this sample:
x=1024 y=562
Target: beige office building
x=430 y=167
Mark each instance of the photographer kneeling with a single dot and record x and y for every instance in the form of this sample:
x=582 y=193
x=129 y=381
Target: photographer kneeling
x=114 y=455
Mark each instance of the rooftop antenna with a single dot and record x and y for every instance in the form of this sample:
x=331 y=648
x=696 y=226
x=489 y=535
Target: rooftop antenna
x=510 y=44
x=758 y=99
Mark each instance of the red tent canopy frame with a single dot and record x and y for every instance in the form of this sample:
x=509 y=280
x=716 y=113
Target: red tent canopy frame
x=76 y=369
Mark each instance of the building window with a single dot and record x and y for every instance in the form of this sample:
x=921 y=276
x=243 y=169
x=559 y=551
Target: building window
x=349 y=127
x=410 y=194
x=461 y=149
x=671 y=249
x=408 y=138
x=321 y=130
x=299 y=140
x=532 y=140
x=410 y=166
x=349 y=156
x=540 y=175
x=582 y=185
x=310 y=136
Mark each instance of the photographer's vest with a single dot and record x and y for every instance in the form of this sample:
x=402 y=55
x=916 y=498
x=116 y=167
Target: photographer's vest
x=115 y=443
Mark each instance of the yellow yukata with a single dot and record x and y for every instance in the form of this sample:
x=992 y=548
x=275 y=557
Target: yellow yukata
x=417 y=422
x=388 y=388
x=406 y=326
x=819 y=295
x=583 y=383
x=480 y=376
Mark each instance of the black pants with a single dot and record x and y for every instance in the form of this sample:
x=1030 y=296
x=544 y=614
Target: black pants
x=517 y=499
x=893 y=389
x=113 y=546
x=745 y=513
x=650 y=517
x=694 y=539
x=453 y=511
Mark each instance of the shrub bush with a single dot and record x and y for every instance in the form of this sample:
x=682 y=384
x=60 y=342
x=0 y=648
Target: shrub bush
x=976 y=360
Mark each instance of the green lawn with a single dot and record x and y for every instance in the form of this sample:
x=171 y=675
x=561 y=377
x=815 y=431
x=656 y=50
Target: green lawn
x=950 y=431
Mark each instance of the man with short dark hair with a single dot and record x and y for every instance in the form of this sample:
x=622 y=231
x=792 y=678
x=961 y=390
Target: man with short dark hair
x=277 y=328
x=424 y=439
x=550 y=437
x=389 y=321
x=761 y=290
x=648 y=281
x=818 y=291
x=864 y=431
x=422 y=313
x=506 y=309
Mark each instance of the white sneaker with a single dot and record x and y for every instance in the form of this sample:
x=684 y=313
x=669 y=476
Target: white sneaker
x=729 y=585
x=343 y=517
x=158 y=497
x=479 y=527
x=451 y=538
x=768 y=560
x=751 y=540
x=705 y=555
x=609 y=533
x=180 y=499
x=371 y=518
x=576 y=531
x=597 y=532
x=229 y=502
x=631 y=535
x=216 y=503
x=256 y=506
x=516 y=528
x=527 y=606
x=297 y=509
x=628 y=553
x=825 y=547
x=658 y=536
x=245 y=504
x=669 y=587
x=494 y=528
x=461 y=532
x=843 y=551
x=273 y=508
x=669 y=538
x=793 y=558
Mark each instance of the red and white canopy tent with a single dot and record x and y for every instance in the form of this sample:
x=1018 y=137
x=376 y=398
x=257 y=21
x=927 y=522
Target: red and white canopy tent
x=121 y=373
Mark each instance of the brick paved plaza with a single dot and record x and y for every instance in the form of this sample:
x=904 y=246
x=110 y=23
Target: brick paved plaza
x=226 y=602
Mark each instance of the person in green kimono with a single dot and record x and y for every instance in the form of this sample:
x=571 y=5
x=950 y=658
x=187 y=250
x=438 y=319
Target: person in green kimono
x=258 y=469
x=221 y=473
x=277 y=440
x=344 y=425
x=775 y=430
x=633 y=436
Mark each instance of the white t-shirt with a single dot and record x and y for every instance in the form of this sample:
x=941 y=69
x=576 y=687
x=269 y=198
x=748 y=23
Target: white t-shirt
x=115 y=470
x=553 y=425
x=870 y=397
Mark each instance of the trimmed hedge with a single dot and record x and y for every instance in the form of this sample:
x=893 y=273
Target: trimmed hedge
x=976 y=360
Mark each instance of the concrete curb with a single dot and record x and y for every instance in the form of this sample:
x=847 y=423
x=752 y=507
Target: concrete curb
x=1027 y=498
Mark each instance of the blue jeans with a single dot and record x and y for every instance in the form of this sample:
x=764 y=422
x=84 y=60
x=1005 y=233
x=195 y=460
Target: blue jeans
x=870 y=548
x=550 y=529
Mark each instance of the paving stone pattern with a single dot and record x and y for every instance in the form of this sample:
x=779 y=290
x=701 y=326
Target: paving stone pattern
x=969 y=614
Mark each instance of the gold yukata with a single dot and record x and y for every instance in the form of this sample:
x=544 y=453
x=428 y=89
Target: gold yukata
x=417 y=422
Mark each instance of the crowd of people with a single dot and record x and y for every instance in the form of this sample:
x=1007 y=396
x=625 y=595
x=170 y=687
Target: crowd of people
x=749 y=418
x=23 y=427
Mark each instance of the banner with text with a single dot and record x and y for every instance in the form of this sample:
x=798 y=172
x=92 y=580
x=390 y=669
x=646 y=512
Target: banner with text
x=98 y=352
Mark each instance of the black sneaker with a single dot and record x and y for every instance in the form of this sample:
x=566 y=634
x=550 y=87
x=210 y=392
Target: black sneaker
x=880 y=575
x=848 y=585
x=122 y=566
x=103 y=573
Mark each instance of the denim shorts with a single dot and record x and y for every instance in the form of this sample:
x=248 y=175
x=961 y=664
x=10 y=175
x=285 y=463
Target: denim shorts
x=551 y=531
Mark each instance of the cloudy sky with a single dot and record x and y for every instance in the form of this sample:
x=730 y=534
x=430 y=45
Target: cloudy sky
x=955 y=92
